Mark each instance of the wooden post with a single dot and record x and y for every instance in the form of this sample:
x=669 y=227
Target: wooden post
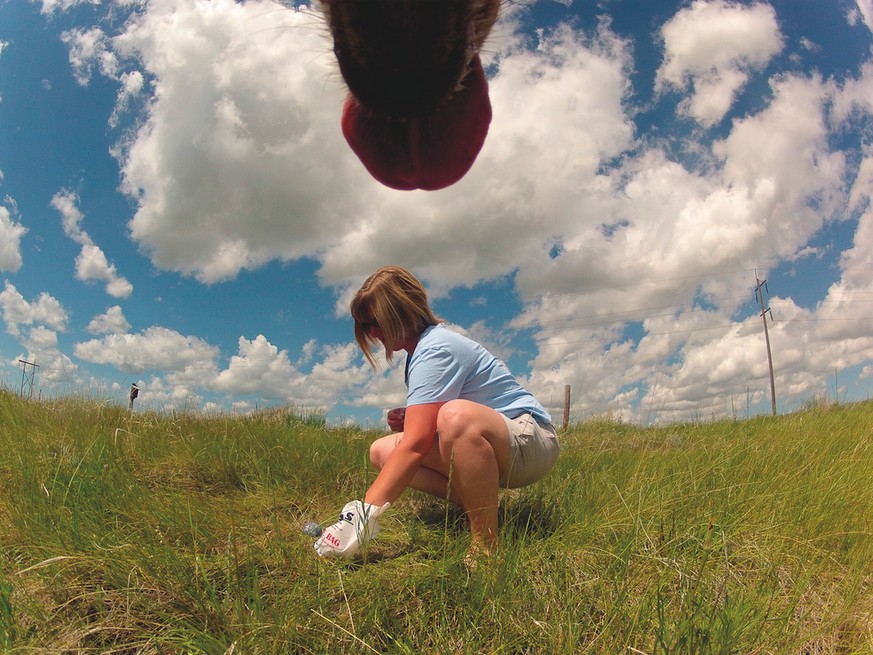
x=566 y=406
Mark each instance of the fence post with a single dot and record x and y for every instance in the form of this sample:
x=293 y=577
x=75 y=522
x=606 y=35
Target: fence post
x=566 y=406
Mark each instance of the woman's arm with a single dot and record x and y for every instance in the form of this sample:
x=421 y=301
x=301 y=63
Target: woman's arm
x=419 y=431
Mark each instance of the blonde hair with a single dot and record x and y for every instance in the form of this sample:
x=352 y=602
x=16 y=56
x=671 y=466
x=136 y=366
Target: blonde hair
x=395 y=300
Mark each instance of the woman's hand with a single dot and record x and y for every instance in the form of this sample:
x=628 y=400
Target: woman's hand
x=356 y=526
x=396 y=419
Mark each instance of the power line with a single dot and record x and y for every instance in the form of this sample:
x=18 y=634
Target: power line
x=647 y=334
x=611 y=317
x=724 y=326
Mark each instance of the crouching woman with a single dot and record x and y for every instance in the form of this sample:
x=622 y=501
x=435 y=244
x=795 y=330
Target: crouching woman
x=468 y=427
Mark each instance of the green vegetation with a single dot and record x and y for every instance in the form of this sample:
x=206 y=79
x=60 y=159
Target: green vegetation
x=145 y=533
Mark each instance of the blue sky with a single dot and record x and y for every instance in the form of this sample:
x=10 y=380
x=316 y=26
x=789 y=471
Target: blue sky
x=179 y=208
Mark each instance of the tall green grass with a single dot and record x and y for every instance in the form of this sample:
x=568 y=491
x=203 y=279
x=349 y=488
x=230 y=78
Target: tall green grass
x=147 y=533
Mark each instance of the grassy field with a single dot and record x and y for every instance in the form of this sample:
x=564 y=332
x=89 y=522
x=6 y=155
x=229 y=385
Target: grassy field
x=145 y=533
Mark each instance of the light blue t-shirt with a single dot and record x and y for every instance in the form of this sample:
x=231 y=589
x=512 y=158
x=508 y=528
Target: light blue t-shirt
x=446 y=365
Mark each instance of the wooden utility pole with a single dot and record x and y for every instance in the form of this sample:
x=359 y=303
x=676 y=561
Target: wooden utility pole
x=760 y=294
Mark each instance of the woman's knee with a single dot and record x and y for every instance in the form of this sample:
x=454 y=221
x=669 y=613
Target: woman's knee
x=381 y=449
x=454 y=418
x=463 y=423
x=466 y=421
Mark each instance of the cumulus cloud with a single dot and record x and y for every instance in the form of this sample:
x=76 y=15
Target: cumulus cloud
x=777 y=183
x=635 y=265
x=239 y=155
x=862 y=189
x=89 y=50
x=261 y=369
x=662 y=227
x=17 y=311
x=713 y=47
x=855 y=97
x=91 y=263
x=156 y=348
x=42 y=349
x=110 y=322
x=11 y=233
x=865 y=9
x=52 y=6
x=785 y=147
x=259 y=366
x=131 y=86
x=186 y=367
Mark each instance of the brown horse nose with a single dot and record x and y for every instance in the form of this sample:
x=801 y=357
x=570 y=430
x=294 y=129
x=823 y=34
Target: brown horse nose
x=405 y=57
x=418 y=110
x=402 y=61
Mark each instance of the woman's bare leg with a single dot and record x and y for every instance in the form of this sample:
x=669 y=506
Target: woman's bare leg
x=474 y=442
x=429 y=478
x=469 y=455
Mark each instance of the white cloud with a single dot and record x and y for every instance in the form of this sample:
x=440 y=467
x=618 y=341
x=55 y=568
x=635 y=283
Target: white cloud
x=54 y=367
x=160 y=393
x=91 y=262
x=17 y=311
x=862 y=188
x=240 y=156
x=260 y=367
x=65 y=202
x=857 y=265
x=855 y=97
x=110 y=322
x=776 y=185
x=263 y=370
x=259 y=374
x=89 y=49
x=239 y=160
x=785 y=147
x=865 y=8
x=156 y=348
x=53 y=6
x=132 y=85
x=11 y=233
x=712 y=46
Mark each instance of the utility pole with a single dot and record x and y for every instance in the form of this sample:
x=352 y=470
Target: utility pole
x=760 y=294
x=27 y=378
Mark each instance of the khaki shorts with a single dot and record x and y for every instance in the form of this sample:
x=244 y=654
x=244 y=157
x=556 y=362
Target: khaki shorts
x=533 y=450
